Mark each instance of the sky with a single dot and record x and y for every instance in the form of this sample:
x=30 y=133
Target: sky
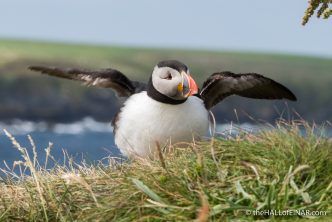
x=255 y=25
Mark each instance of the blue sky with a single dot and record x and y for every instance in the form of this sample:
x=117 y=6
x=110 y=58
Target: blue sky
x=255 y=25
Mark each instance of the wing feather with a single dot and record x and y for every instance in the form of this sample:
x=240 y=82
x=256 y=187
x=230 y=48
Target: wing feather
x=220 y=85
x=105 y=78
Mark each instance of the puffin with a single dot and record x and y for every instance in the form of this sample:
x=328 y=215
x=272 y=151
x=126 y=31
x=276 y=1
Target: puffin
x=170 y=108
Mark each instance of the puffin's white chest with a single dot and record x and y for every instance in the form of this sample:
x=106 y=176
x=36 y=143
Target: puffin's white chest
x=143 y=121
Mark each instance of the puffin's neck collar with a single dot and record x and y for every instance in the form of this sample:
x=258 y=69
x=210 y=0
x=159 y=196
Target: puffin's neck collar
x=154 y=94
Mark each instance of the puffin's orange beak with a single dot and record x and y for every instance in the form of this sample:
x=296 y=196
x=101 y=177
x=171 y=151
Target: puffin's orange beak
x=192 y=86
x=188 y=86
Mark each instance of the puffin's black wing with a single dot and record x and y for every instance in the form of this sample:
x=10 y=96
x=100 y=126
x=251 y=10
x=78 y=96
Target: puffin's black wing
x=106 y=78
x=220 y=85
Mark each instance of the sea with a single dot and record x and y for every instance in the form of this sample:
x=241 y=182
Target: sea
x=87 y=140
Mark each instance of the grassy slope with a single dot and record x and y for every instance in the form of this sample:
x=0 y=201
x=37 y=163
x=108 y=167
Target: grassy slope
x=211 y=181
x=138 y=61
x=309 y=77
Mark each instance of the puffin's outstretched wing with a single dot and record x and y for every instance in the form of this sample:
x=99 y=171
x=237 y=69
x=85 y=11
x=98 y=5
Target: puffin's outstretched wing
x=106 y=78
x=220 y=85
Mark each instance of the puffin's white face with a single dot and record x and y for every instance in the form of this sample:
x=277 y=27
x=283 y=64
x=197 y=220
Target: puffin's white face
x=172 y=83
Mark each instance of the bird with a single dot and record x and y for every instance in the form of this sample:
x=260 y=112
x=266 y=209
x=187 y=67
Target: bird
x=169 y=108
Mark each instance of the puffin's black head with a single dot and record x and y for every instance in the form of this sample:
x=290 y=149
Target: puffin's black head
x=174 y=64
x=171 y=82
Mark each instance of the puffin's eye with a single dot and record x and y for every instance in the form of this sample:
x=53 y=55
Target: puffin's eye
x=169 y=76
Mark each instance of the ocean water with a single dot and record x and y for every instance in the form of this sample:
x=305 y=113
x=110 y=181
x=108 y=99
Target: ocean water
x=86 y=139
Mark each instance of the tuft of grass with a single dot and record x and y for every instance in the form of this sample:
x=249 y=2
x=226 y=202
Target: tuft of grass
x=286 y=168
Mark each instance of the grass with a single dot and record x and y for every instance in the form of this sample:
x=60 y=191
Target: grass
x=217 y=180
